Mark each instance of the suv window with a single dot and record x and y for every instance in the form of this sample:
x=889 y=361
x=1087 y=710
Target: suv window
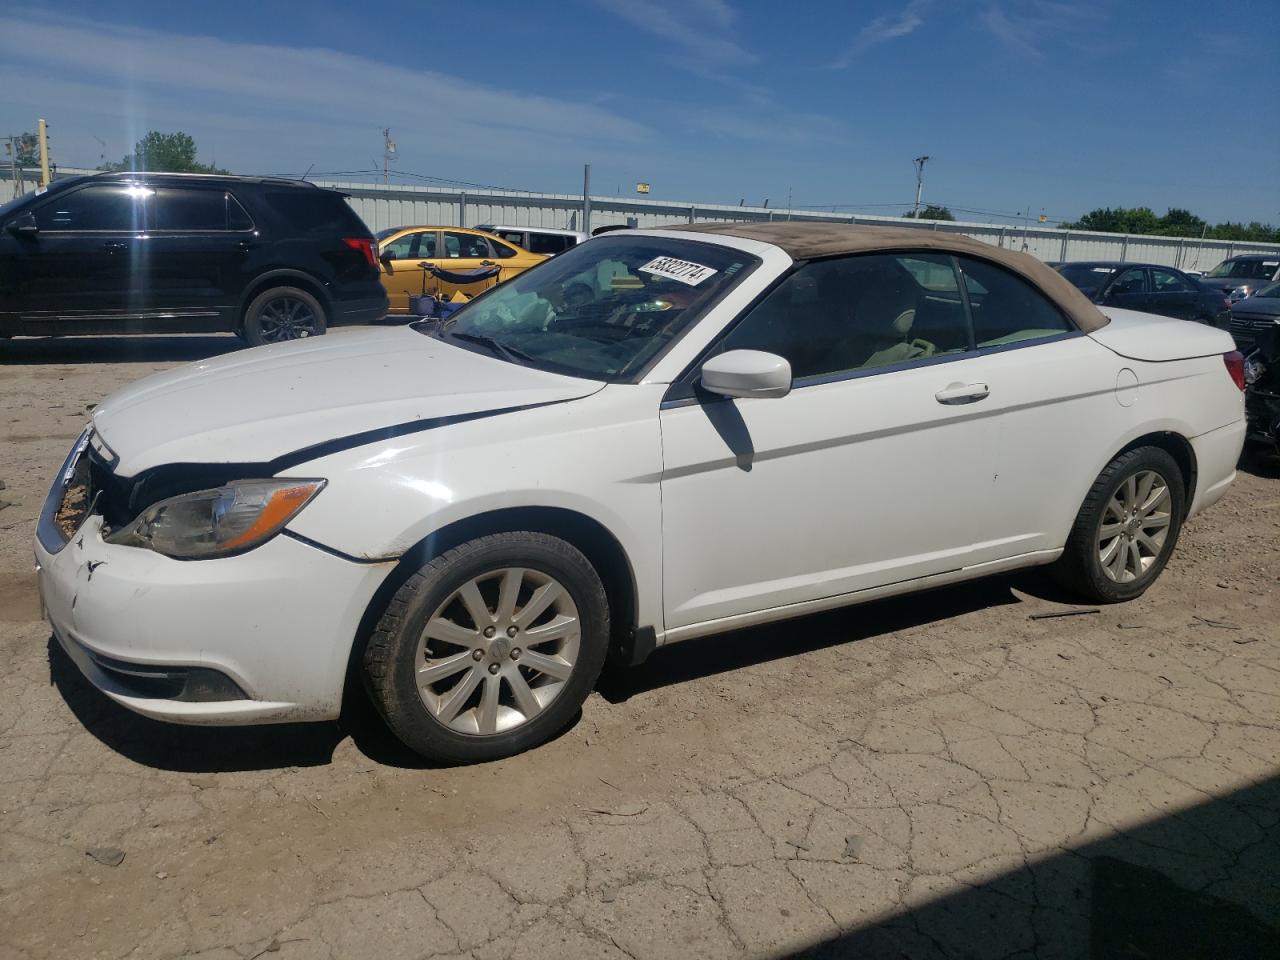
x=513 y=236
x=548 y=243
x=468 y=245
x=858 y=313
x=316 y=211
x=1166 y=281
x=1006 y=308
x=115 y=208
x=195 y=209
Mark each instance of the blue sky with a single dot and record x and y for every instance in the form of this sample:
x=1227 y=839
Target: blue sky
x=1040 y=104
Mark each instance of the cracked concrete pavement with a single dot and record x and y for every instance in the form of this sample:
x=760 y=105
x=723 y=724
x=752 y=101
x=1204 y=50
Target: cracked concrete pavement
x=932 y=776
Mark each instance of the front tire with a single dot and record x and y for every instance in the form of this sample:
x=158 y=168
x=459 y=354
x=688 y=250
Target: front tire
x=1127 y=528
x=281 y=314
x=489 y=649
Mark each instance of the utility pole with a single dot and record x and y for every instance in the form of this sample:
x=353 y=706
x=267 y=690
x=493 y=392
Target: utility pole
x=586 y=198
x=15 y=171
x=388 y=148
x=42 y=133
x=919 y=162
x=102 y=157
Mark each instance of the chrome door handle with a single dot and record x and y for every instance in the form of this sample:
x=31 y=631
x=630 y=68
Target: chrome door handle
x=957 y=393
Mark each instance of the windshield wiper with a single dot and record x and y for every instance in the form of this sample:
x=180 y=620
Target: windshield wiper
x=497 y=347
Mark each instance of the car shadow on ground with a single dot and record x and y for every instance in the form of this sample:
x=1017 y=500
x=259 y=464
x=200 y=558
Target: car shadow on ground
x=136 y=349
x=1201 y=882
x=221 y=749
x=722 y=653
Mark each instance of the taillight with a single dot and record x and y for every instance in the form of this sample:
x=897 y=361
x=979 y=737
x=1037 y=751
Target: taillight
x=1235 y=367
x=365 y=246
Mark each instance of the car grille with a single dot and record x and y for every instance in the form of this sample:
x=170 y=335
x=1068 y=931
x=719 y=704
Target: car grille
x=1245 y=328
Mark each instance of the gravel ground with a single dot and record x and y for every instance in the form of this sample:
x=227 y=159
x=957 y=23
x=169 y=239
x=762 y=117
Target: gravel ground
x=932 y=776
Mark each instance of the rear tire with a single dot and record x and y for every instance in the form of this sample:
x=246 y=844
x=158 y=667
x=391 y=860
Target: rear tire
x=489 y=649
x=281 y=314
x=1127 y=528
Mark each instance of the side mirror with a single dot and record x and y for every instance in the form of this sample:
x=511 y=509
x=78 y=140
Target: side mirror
x=385 y=260
x=747 y=373
x=23 y=226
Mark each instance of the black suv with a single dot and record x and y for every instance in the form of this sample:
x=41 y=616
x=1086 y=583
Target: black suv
x=265 y=258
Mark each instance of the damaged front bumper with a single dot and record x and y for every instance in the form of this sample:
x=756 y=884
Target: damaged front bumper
x=262 y=636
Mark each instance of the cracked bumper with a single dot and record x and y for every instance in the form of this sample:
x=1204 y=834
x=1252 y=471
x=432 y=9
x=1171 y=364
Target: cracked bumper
x=278 y=622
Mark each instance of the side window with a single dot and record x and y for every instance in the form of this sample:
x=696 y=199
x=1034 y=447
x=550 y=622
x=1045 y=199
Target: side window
x=513 y=236
x=465 y=245
x=1006 y=308
x=1133 y=280
x=501 y=250
x=1166 y=281
x=426 y=248
x=401 y=248
x=858 y=313
x=547 y=243
x=192 y=209
x=118 y=209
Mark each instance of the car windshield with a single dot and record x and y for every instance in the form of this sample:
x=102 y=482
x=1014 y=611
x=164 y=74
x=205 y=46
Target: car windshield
x=603 y=309
x=1246 y=269
x=1086 y=276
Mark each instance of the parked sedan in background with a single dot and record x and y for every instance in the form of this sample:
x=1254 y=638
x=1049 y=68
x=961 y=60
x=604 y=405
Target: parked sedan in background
x=403 y=250
x=1151 y=288
x=1252 y=316
x=1241 y=276
x=726 y=425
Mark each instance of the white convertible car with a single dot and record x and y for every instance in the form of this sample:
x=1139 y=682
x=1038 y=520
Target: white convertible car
x=657 y=435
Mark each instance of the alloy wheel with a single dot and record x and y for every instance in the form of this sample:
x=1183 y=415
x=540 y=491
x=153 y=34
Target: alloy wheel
x=497 y=652
x=1134 y=527
x=286 y=318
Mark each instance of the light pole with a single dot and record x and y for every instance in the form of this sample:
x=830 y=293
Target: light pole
x=919 y=162
x=388 y=148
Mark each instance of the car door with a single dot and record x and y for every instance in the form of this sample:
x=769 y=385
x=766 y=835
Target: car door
x=873 y=470
x=82 y=263
x=1173 y=295
x=403 y=275
x=462 y=251
x=1053 y=415
x=195 y=256
x=1129 y=289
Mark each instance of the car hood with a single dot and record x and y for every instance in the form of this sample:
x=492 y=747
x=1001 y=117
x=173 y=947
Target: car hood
x=275 y=402
x=1146 y=336
x=1257 y=306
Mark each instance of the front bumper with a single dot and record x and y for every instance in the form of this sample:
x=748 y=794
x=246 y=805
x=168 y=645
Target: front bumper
x=272 y=629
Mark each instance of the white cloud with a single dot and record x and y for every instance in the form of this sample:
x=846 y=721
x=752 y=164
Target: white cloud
x=122 y=75
x=699 y=28
x=883 y=29
x=1023 y=27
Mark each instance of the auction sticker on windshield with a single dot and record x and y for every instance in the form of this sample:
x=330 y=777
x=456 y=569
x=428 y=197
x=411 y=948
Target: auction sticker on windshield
x=682 y=270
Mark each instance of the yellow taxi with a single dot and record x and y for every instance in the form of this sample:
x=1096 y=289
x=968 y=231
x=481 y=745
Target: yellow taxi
x=404 y=250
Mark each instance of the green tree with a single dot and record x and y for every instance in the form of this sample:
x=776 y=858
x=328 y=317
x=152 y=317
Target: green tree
x=1119 y=220
x=165 y=152
x=932 y=212
x=28 y=150
x=1181 y=223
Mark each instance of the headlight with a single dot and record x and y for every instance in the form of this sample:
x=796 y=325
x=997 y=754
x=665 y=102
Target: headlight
x=220 y=522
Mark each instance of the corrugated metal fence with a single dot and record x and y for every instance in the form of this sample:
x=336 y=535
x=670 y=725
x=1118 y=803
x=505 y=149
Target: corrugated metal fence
x=397 y=205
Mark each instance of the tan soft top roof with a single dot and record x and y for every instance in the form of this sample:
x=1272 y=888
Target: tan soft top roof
x=806 y=240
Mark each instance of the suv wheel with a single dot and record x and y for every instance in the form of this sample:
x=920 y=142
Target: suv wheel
x=490 y=648
x=1126 y=529
x=283 y=313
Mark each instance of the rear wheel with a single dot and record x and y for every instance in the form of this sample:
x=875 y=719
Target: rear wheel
x=1126 y=529
x=489 y=649
x=283 y=313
